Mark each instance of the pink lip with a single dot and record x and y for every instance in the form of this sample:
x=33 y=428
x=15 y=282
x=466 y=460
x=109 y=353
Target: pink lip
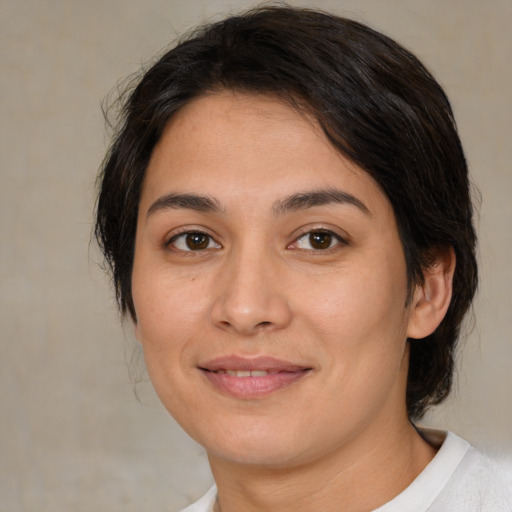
x=281 y=374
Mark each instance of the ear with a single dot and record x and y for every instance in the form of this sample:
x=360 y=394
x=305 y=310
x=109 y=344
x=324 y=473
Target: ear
x=430 y=301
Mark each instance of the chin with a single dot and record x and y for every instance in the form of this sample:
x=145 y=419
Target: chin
x=257 y=452
x=252 y=443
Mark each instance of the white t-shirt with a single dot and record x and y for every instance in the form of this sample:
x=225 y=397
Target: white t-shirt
x=458 y=479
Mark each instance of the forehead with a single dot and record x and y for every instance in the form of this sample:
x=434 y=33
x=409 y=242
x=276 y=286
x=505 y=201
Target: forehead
x=231 y=145
x=235 y=125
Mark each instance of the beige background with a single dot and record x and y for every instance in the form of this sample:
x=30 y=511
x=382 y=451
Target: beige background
x=72 y=434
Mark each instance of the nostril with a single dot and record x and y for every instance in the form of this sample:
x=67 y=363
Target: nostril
x=251 y=313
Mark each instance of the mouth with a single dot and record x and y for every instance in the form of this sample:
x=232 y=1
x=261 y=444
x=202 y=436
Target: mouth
x=246 y=373
x=252 y=378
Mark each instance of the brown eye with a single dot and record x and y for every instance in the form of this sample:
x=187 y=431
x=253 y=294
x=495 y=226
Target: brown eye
x=320 y=240
x=193 y=241
x=197 y=241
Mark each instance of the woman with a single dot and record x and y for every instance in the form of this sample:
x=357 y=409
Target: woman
x=287 y=215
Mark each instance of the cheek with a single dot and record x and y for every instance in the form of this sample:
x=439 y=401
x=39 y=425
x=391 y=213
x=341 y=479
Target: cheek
x=360 y=320
x=356 y=302
x=172 y=313
x=168 y=326
x=168 y=304
x=362 y=341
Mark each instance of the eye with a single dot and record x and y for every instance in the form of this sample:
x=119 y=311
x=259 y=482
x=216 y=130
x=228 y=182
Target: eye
x=193 y=241
x=318 y=240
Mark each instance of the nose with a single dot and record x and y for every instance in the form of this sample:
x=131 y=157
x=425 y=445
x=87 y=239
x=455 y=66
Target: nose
x=251 y=296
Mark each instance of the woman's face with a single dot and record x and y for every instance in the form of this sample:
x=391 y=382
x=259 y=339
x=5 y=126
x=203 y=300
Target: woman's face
x=269 y=284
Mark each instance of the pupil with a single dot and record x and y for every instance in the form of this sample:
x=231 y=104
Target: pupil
x=320 y=240
x=196 y=241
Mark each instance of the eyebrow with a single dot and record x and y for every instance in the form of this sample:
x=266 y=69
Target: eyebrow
x=188 y=201
x=295 y=202
x=305 y=200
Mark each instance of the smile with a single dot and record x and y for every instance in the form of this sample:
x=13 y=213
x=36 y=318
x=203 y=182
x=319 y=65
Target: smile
x=248 y=379
x=246 y=373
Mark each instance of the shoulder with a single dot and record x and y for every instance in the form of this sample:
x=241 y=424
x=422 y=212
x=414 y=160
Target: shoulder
x=479 y=483
x=203 y=504
x=458 y=479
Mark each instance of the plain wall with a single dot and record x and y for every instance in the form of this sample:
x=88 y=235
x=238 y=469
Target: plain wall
x=73 y=435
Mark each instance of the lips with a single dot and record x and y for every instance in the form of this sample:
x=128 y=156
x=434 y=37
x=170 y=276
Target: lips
x=246 y=373
x=251 y=378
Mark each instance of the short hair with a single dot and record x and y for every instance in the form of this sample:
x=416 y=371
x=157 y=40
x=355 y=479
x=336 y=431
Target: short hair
x=377 y=104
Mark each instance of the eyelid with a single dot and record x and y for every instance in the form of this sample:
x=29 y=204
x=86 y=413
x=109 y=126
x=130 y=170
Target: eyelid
x=185 y=230
x=341 y=239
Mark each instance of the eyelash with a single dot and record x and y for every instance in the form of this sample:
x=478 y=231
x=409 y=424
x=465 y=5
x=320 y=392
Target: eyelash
x=192 y=232
x=333 y=239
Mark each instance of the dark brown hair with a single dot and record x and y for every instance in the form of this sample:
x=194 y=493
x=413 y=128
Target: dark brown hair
x=377 y=104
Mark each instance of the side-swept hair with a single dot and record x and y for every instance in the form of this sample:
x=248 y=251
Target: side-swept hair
x=378 y=106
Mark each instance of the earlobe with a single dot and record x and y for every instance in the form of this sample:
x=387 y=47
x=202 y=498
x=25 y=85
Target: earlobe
x=431 y=300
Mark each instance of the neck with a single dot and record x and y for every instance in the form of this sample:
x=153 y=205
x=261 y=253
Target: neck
x=359 y=477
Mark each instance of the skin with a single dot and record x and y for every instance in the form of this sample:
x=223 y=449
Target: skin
x=260 y=288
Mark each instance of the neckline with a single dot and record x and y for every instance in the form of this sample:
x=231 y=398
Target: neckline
x=427 y=486
x=424 y=489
